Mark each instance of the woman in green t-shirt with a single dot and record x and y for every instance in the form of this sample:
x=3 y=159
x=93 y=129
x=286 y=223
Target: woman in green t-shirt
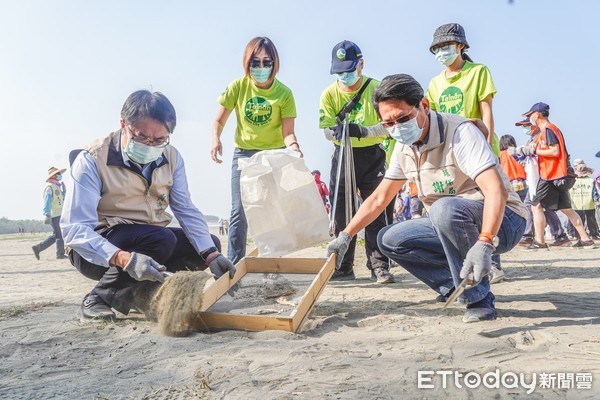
x=265 y=111
x=463 y=87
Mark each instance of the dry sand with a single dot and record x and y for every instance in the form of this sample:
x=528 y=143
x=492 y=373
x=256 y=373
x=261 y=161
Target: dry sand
x=363 y=340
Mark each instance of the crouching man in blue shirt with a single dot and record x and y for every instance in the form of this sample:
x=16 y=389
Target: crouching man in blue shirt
x=115 y=221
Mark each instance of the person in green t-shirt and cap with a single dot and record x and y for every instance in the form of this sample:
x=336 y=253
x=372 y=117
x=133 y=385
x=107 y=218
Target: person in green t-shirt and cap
x=367 y=136
x=265 y=110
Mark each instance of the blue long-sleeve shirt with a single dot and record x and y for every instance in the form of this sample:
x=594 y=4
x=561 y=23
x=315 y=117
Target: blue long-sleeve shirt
x=47 y=201
x=80 y=215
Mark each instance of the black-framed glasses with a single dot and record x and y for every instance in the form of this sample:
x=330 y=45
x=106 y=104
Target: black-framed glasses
x=399 y=120
x=142 y=138
x=263 y=63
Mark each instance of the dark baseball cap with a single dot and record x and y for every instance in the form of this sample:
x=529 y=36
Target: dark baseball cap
x=598 y=154
x=524 y=121
x=538 y=107
x=345 y=57
x=449 y=33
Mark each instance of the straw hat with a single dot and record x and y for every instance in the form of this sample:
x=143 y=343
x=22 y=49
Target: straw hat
x=53 y=171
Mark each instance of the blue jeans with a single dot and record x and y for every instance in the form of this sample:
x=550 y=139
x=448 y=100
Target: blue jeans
x=56 y=237
x=238 y=225
x=433 y=249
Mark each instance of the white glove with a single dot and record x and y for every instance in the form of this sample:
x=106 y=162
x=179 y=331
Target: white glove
x=339 y=246
x=511 y=150
x=143 y=268
x=478 y=261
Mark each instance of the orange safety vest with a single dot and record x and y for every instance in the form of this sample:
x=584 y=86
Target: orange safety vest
x=511 y=167
x=552 y=167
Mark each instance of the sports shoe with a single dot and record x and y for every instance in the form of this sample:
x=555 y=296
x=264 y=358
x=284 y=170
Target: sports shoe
x=61 y=257
x=483 y=310
x=36 y=252
x=343 y=275
x=535 y=246
x=561 y=242
x=526 y=241
x=442 y=298
x=383 y=275
x=586 y=243
x=496 y=275
x=594 y=237
x=93 y=308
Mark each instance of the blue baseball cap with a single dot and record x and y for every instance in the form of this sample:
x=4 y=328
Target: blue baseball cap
x=538 y=107
x=598 y=154
x=345 y=57
x=524 y=121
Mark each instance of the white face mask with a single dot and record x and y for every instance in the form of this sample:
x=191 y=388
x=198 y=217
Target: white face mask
x=446 y=54
x=142 y=153
x=533 y=123
x=407 y=132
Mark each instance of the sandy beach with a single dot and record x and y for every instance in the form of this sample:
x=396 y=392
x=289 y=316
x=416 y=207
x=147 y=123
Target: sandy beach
x=362 y=341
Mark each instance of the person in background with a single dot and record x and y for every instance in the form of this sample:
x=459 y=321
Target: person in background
x=54 y=198
x=473 y=210
x=556 y=228
x=322 y=188
x=584 y=196
x=511 y=165
x=115 y=215
x=367 y=135
x=265 y=109
x=553 y=159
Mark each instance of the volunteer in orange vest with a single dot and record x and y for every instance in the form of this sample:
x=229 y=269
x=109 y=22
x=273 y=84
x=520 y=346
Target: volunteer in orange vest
x=553 y=161
x=511 y=167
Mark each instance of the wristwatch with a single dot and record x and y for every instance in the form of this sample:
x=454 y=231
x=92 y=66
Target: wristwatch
x=492 y=239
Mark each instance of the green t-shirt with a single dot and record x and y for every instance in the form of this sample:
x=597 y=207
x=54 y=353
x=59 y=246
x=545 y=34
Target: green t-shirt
x=333 y=99
x=462 y=93
x=259 y=113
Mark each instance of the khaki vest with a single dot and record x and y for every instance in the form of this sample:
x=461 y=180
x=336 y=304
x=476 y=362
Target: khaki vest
x=435 y=172
x=126 y=196
x=58 y=198
x=582 y=194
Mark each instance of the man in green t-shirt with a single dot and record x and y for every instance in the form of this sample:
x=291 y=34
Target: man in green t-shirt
x=369 y=157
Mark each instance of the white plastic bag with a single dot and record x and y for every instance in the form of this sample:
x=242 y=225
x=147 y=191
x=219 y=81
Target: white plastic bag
x=283 y=207
x=532 y=171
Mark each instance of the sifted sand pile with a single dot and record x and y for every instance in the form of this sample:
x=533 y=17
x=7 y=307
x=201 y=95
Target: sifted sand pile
x=178 y=300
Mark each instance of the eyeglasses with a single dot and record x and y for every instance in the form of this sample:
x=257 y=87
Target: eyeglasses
x=399 y=120
x=265 y=63
x=143 y=139
x=443 y=46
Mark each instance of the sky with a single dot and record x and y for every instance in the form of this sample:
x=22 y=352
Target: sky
x=67 y=67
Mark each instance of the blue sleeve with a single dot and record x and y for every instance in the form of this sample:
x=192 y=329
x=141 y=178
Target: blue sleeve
x=551 y=138
x=190 y=219
x=595 y=196
x=80 y=212
x=47 y=200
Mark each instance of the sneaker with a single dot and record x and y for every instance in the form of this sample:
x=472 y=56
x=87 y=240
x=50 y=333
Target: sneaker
x=442 y=298
x=93 y=308
x=594 y=237
x=61 y=257
x=561 y=242
x=343 y=275
x=483 y=310
x=582 y=244
x=383 y=275
x=36 y=252
x=496 y=275
x=535 y=246
x=526 y=241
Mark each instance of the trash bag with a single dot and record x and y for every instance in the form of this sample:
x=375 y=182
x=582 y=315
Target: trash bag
x=532 y=171
x=283 y=207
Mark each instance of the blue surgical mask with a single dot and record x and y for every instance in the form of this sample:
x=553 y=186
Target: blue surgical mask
x=527 y=130
x=58 y=177
x=261 y=75
x=141 y=153
x=446 y=54
x=348 y=78
x=408 y=132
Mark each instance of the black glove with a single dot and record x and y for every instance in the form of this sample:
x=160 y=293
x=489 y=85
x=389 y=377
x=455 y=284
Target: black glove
x=354 y=130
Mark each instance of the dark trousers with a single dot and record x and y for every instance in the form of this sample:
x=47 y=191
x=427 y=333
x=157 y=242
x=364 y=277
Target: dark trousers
x=167 y=246
x=56 y=237
x=369 y=169
x=588 y=218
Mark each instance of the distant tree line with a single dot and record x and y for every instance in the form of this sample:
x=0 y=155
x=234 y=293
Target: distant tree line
x=23 y=225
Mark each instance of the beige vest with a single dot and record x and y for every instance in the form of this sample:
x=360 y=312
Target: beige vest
x=435 y=171
x=126 y=196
